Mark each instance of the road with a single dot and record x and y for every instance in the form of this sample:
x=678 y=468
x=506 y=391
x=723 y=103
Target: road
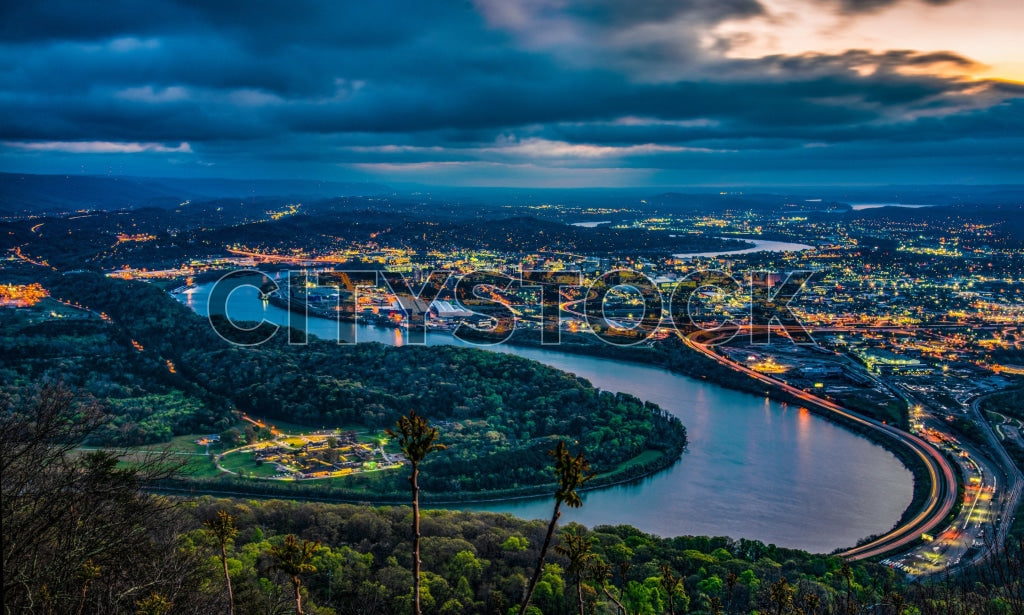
x=942 y=489
x=1010 y=498
x=28 y=259
x=965 y=541
x=992 y=495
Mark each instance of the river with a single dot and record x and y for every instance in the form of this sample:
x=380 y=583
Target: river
x=760 y=245
x=754 y=468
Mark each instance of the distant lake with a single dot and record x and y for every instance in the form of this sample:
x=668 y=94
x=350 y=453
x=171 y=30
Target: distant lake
x=591 y=224
x=862 y=206
x=754 y=468
x=760 y=245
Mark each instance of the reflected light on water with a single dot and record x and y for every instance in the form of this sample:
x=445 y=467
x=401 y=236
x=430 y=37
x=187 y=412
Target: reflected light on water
x=754 y=467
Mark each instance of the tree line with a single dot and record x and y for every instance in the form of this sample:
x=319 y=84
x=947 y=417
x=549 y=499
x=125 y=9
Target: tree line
x=81 y=535
x=160 y=370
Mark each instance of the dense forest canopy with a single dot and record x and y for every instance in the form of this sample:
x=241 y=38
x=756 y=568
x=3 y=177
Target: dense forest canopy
x=163 y=371
x=81 y=535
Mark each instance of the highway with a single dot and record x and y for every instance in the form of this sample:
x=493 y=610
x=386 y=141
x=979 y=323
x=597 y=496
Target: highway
x=1010 y=499
x=942 y=489
x=28 y=259
x=965 y=541
x=966 y=537
x=992 y=495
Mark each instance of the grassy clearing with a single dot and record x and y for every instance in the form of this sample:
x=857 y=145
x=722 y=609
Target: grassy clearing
x=201 y=467
x=644 y=457
x=296 y=428
x=180 y=444
x=248 y=468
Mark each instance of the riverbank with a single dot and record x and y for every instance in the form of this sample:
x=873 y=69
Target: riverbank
x=840 y=486
x=674 y=356
x=328 y=491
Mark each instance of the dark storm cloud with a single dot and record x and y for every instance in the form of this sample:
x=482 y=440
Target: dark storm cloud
x=867 y=6
x=331 y=83
x=615 y=14
x=266 y=23
x=649 y=40
x=886 y=62
x=85 y=20
x=983 y=125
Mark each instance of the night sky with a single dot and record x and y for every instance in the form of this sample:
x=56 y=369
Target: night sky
x=518 y=92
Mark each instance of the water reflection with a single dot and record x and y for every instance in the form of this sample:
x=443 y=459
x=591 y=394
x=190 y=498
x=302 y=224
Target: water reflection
x=754 y=468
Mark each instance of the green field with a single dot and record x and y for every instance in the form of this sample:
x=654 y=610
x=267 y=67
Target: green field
x=201 y=467
x=243 y=464
x=182 y=444
x=644 y=457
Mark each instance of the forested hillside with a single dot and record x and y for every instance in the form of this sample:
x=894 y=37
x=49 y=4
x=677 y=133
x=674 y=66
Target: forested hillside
x=161 y=370
x=105 y=546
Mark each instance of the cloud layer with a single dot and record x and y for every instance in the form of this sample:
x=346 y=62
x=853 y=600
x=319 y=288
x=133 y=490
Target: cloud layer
x=510 y=92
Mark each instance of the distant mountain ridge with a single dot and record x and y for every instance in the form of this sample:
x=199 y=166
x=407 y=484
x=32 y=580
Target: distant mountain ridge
x=33 y=194
x=24 y=193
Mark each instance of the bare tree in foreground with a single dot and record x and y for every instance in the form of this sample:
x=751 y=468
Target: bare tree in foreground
x=417 y=439
x=572 y=473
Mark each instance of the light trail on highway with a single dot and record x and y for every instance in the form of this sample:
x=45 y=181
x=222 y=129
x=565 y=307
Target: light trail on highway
x=943 y=488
